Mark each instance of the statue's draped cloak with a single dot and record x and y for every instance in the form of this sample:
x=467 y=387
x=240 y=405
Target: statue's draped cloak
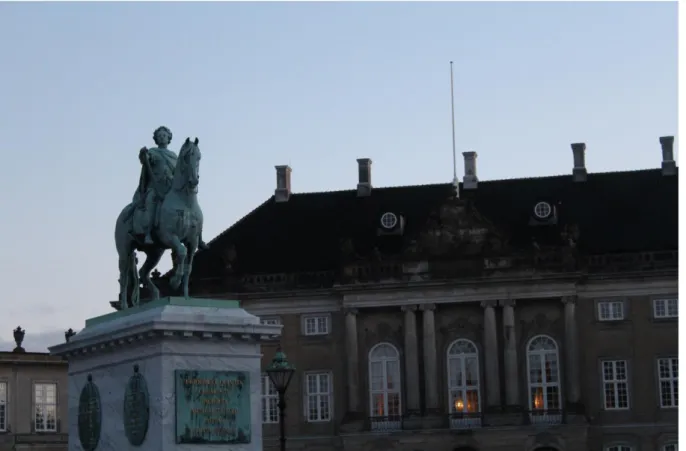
x=162 y=165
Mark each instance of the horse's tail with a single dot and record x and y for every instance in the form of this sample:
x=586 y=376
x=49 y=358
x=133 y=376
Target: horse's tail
x=135 y=282
x=124 y=226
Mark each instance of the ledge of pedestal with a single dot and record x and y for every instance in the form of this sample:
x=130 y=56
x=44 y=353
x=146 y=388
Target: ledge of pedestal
x=171 y=318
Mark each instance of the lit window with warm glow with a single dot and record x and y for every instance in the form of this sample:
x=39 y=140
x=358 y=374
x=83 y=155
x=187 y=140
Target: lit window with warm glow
x=384 y=381
x=543 y=373
x=463 y=377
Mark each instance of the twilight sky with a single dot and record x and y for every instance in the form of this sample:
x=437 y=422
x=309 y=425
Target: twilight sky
x=313 y=85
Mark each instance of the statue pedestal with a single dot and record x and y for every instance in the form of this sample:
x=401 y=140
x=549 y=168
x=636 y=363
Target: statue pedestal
x=197 y=359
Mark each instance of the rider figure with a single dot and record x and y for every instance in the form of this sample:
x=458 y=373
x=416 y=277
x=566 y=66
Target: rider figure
x=157 y=173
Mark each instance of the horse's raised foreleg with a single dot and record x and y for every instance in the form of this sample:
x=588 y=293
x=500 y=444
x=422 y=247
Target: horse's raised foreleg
x=152 y=258
x=188 y=267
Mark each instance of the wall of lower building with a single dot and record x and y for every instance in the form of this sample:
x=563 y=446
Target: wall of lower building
x=21 y=373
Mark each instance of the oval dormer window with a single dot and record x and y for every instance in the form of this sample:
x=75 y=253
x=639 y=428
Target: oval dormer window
x=543 y=210
x=389 y=220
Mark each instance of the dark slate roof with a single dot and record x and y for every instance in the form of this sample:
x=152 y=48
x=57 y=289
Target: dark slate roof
x=629 y=211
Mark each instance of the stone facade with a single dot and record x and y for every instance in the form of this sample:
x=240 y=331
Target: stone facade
x=422 y=324
x=28 y=380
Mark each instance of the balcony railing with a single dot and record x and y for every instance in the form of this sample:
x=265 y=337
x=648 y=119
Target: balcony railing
x=465 y=421
x=386 y=424
x=545 y=417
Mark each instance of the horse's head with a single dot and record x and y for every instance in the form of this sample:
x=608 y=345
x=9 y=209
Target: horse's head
x=188 y=164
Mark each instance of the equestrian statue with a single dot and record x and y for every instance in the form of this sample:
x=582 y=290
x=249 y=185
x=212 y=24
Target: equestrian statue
x=164 y=214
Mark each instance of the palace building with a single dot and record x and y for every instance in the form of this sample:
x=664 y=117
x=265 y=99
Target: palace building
x=33 y=400
x=526 y=314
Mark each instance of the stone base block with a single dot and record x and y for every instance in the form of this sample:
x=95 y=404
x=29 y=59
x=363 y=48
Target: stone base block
x=182 y=350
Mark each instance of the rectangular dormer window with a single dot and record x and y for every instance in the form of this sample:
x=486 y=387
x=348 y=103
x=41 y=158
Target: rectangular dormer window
x=611 y=311
x=315 y=325
x=666 y=308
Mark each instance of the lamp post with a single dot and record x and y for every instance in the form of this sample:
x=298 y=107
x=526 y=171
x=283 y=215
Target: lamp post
x=280 y=373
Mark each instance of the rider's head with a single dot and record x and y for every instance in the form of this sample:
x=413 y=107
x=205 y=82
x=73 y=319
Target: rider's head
x=162 y=136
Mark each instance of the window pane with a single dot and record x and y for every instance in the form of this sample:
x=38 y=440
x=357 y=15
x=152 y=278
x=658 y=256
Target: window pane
x=378 y=405
x=324 y=383
x=377 y=376
x=552 y=398
x=622 y=395
x=472 y=401
x=471 y=371
x=324 y=407
x=604 y=310
x=535 y=374
x=392 y=375
x=610 y=399
x=551 y=367
x=673 y=307
x=311 y=383
x=457 y=401
x=537 y=398
x=457 y=372
x=393 y=404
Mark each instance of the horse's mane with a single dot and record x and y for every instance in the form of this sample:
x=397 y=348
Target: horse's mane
x=187 y=149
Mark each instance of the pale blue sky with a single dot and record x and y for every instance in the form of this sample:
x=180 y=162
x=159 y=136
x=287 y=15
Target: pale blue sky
x=83 y=86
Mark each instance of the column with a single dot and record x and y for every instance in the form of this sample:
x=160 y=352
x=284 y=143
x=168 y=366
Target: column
x=492 y=374
x=571 y=350
x=411 y=359
x=510 y=354
x=353 y=356
x=429 y=343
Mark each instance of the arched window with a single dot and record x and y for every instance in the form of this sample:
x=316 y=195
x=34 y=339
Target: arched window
x=384 y=387
x=463 y=384
x=544 y=379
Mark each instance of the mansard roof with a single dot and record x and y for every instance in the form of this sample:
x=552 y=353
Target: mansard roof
x=613 y=212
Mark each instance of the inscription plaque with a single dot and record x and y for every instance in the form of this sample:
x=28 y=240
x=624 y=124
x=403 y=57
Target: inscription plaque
x=136 y=408
x=90 y=416
x=212 y=407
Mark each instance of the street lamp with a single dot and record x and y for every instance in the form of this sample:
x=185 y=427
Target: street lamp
x=280 y=373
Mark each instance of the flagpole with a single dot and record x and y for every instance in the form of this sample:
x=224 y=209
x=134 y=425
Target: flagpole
x=452 y=107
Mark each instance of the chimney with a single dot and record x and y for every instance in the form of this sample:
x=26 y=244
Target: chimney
x=668 y=163
x=364 y=183
x=470 y=180
x=283 y=184
x=579 y=173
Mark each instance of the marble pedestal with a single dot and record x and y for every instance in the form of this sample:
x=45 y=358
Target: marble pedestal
x=159 y=338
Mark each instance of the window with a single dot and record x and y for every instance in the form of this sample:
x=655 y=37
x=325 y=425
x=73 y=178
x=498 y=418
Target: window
x=270 y=401
x=619 y=448
x=45 y=407
x=270 y=321
x=544 y=380
x=671 y=447
x=615 y=385
x=389 y=220
x=316 y=325
x=542 y=210
x=668 y=374
x=384 y=386
x=463 y=384
x=3 y=406
x=318 y=394
x=611 y=311
x=665 y=308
